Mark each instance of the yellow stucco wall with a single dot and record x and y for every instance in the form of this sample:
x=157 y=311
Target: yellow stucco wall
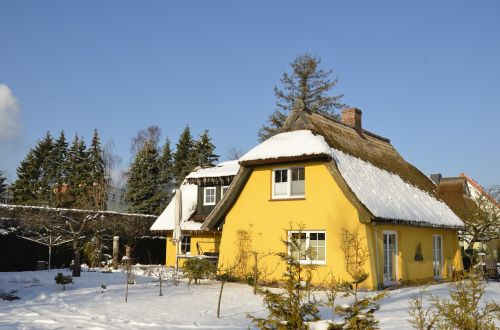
x=324 y=208
x=408 y=237
x=201 y=242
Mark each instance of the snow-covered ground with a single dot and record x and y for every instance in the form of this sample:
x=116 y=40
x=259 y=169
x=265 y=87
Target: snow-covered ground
x=84 y=304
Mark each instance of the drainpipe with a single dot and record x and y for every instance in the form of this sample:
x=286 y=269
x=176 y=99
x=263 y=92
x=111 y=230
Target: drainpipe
x=376 y=256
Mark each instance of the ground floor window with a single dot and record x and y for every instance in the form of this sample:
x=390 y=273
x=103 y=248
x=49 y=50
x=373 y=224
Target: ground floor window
x=311 y=246
x=186 y=245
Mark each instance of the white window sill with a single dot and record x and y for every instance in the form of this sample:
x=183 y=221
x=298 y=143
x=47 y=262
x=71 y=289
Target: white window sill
x=315 y=262
x=287 y=197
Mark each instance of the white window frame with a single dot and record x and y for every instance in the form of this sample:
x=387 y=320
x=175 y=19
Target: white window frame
x=308 y=235
x=205 y=195
x=222 y=192
x=396 y=262
x=181 y=244
x=434 y=256
x=289 y=183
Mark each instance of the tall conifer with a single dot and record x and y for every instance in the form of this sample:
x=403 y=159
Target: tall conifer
x=26 y=185
x=184 y=158
x=97 y=183
x=60 y=159
x=3 y=185
x=143 y=192
x=44 y=153
x=78 y=174
x=204 y=151
x=307 y=86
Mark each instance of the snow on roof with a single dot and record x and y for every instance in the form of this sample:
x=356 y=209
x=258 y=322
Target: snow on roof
x=189 y=200
x=289 y=144
x=387 y=196
x=229 y=168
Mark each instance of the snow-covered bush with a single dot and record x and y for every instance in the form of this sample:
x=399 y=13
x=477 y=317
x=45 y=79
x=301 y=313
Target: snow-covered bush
x=63 y=280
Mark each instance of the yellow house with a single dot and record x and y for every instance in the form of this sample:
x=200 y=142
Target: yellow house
x=322 y=175
x=198 y=195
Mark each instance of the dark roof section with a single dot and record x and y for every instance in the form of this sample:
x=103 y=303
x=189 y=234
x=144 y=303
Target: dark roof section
x=215 y=218
x=364 y=145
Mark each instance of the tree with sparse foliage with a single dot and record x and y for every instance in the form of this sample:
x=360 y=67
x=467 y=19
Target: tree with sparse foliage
x=184 y=157
x=307 y=85
x=204 y=151
x=144 y=195
x=358 y=314
x=150 y=135
x=481 y=223
x=290 y=308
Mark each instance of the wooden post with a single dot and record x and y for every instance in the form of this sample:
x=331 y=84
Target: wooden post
x=116 y=247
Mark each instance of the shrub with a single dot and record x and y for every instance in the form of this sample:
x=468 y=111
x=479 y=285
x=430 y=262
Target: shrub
x=460 y=311
x=63 y=280
x=196 y=269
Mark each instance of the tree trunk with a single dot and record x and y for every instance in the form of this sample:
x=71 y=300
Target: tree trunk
x=220 y=297
x=116 y=247
x=255 y=273
x=161 y=293
x=76 y=258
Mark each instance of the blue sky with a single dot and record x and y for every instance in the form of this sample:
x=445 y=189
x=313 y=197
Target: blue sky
x=426 y=74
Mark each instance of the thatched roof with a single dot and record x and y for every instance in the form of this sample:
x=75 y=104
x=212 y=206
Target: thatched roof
x=454 y=192
x=363 y=144
x=359 y=143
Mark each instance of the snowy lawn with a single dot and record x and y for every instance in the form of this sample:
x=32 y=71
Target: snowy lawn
x=84 y=304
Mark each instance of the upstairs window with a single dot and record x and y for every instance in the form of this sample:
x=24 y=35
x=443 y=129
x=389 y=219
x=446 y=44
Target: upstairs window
x=288 y=182
x=209 y=196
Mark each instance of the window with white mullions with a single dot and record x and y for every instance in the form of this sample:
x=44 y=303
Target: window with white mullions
x=310 y=246
x=186 y=245
x=289 y=182
x=209 y=196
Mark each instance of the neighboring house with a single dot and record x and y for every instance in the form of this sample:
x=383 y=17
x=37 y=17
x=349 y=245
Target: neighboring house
x=200 y=192
x=461 y=194
x=330 y=175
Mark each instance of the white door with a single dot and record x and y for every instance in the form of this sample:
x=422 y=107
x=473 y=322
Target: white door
x=390 y=255
x=438 y=255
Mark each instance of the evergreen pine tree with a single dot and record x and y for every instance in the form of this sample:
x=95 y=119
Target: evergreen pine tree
x=78 y=174
x=204 y=151
x=307 y=86
x=25 y=187
x=97 y=184
x=143 y=192
x=184 y=158
x=44 y=153
x=60 y=155
x=3 y=186
x=166 y=172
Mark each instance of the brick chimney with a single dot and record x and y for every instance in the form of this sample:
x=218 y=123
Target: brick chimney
x=352 y=117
